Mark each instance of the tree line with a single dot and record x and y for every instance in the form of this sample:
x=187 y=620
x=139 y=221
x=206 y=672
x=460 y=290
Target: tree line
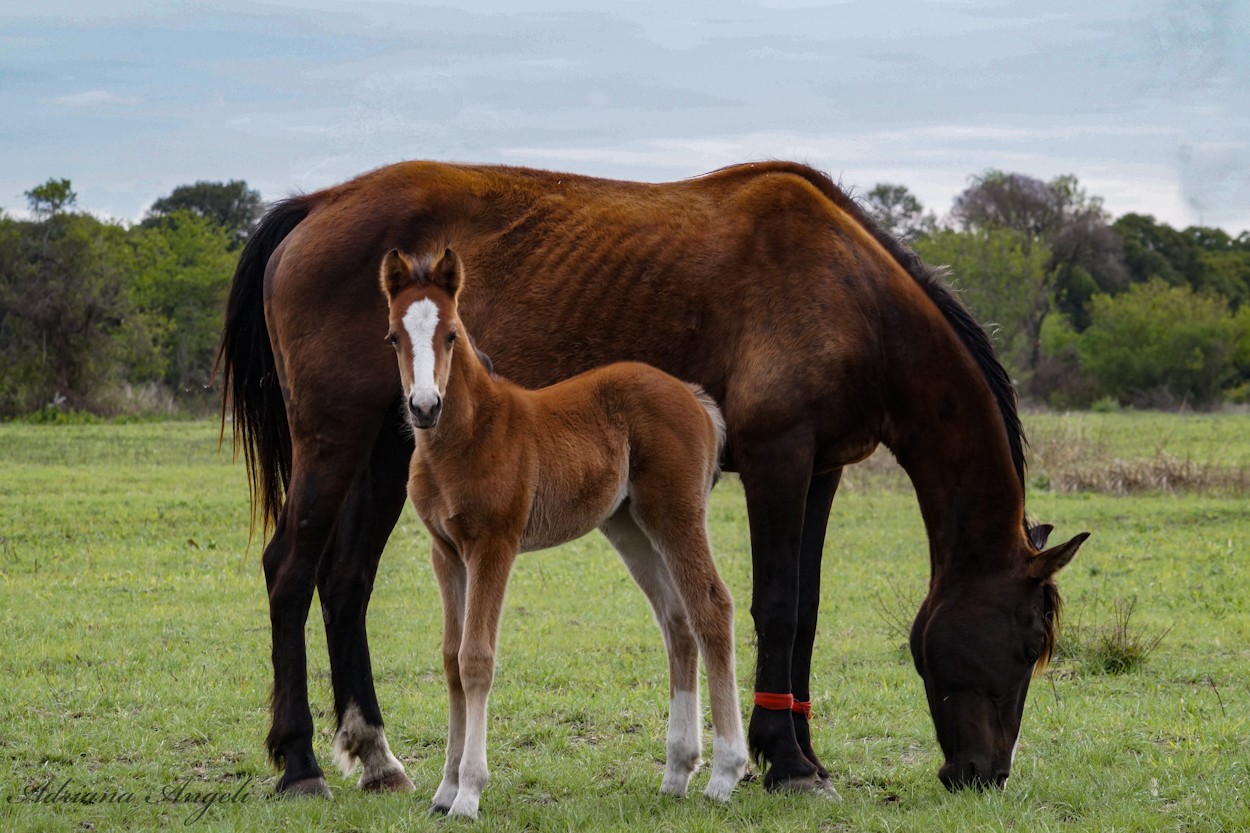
x=100 y=317
x=109 y=318
x=1088 y=310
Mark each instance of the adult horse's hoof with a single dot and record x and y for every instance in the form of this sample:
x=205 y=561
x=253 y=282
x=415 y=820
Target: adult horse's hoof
x=827 y=791
x=396 y=782
x=798 y=784
x=315 y=787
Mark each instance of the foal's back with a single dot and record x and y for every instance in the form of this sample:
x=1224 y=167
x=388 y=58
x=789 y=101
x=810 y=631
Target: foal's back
x=620 y=431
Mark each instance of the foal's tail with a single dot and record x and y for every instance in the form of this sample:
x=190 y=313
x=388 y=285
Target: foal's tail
x=718 y=421
x=251 y=393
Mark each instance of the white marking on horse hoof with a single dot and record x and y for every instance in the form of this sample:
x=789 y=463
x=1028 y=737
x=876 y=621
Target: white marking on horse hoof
x=358 y=743
x=444 y=796
x=827 y=791
x=464 y=807
x=729 y=763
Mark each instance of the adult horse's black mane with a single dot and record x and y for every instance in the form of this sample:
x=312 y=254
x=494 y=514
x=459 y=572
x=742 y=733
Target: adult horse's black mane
x=970 y=332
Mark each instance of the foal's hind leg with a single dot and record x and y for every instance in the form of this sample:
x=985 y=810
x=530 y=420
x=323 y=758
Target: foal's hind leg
x=676 y=525
x=647 y=566
x=344 y=583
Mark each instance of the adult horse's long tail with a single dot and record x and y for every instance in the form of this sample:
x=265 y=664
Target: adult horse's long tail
x=250 y=384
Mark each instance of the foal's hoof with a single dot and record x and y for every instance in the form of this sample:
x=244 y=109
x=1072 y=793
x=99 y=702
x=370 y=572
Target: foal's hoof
x=396 y=782
x=314 y=786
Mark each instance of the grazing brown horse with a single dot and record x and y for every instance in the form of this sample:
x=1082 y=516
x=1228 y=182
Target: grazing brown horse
x=817 y=333
x=499 y=470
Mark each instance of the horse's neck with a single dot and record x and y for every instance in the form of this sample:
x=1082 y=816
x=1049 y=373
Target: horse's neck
x=950 y=437
x=471 y=399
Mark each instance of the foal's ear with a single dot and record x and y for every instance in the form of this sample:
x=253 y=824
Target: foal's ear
x=396 y=273
x=1046 y=564
x=446 y=273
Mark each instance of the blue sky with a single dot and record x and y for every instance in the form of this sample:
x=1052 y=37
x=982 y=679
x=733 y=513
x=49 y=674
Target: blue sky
x=1147 y=102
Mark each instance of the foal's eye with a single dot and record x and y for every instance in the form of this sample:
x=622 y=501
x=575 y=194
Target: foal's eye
x=451 y=338
x=392 y=339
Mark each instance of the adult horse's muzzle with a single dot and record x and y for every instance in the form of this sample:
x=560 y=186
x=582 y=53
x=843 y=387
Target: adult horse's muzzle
x=978 y=737
x=971 y=774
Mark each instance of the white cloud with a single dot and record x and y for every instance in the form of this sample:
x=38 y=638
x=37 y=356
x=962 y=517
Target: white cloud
x=96 y=98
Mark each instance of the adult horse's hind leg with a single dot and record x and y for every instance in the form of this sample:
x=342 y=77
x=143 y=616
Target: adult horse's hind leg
x=344 y=584
x=320 y=479
x=683 y=747
x=820 y=495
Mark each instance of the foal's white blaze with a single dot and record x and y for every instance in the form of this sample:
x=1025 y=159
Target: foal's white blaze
x=421 y=321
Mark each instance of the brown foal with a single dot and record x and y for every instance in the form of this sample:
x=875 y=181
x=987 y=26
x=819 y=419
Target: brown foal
x=499 y=469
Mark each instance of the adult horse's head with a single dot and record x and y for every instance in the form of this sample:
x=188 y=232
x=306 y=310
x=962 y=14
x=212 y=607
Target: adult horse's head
x=977 y=642
x=424 y=327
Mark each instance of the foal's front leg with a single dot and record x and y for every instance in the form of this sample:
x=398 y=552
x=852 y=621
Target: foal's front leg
x=452 y=585
x=488 y=568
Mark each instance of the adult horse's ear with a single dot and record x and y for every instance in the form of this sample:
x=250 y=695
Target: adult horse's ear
x=396 y=273
x=1046 y=564
x=446 y=273
x=1038 y=535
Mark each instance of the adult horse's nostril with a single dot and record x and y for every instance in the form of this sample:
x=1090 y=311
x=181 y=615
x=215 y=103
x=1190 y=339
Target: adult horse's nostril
x=1000 y=780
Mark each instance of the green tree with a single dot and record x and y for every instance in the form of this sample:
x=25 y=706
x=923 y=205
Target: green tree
x=51 y=198
x=231 y=205
x=62 y=299
x=182 y=274
x=1084 y=252
x=1158 y=344
x=1003 y=278
x=899 y=212
x=1205 y=259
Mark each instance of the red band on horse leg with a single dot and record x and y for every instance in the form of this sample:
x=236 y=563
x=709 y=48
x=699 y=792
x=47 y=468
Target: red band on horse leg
x=803 y=707
x=775 y=702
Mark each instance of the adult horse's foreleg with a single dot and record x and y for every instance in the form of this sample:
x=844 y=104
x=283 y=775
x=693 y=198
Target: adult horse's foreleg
x=775 y=475
x=344 y=585
x=820 y=495
x=320 y=479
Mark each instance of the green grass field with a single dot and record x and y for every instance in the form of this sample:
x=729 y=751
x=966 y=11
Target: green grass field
x=134 y=647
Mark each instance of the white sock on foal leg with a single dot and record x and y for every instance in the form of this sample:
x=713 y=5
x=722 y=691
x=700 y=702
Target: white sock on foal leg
x=729 y=762
x=683 y=747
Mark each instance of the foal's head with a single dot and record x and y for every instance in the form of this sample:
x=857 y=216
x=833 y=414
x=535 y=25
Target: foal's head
x=424 y=327
x=976 y=644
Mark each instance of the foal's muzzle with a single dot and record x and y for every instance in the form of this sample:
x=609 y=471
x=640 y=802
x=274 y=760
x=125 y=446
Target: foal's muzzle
x=425 y=414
